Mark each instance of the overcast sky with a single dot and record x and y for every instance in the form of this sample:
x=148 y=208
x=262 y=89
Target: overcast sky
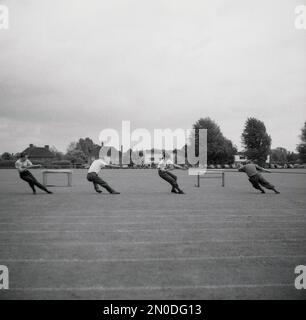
x=69 y=69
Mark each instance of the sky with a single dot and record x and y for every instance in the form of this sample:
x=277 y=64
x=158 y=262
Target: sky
x=69 y=69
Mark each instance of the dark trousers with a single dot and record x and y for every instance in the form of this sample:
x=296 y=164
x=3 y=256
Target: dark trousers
x=258 y=180
x=96 y=180
x=169 y=177
x=30 y=179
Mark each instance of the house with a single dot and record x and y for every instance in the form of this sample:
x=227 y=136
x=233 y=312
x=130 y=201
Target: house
x=240 y=158
x=39 y=154
x=152 y=157
x=148 y=157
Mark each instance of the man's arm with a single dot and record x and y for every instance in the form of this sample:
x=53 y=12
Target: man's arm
x=18 y=165
x=30 y=165
x=262 y=169
x=179 y=167
x=33 y=166
x=241 y=169
x=112 y=166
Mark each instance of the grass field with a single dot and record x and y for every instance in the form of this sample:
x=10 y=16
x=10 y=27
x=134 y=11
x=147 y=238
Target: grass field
x=213 y=242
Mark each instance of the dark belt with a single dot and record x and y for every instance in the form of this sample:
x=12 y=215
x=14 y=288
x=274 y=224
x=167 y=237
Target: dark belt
x=254 y=176
x=90 y=174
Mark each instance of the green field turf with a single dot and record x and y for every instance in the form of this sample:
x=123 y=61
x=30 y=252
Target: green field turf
x=146 y=243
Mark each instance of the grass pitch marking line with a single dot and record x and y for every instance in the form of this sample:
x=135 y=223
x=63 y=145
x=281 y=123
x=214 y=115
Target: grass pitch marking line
x=103 y=215
x=154 y=259
x=122 y=243
x=67 y=242
x=175 y=211
x=145 y=222
x=160 y=288
x=151 y=230
x=260 y=225
x=153 y=212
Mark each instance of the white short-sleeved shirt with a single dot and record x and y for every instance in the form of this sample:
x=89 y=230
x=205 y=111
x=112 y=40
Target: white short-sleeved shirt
x=164 y=164
x=97 y=166
x=21 y=166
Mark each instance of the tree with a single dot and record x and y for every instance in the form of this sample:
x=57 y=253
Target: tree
x=256 y=141
x=57 y=154
x=76 y=156
x=7 y=156
x=279 y=156
x=292 y=157
x=229 y=151
x=72 y=146
x=220 y=150
x=86 y=145
x=301 y=148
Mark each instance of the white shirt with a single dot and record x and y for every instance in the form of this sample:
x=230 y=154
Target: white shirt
x=21 y=166
x=164 y=164
x=97 y=166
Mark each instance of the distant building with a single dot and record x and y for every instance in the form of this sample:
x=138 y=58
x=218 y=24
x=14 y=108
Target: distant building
x=42 y=154
x=151 y=157
x=240 y=158
x=148 y=157
x=154 y=158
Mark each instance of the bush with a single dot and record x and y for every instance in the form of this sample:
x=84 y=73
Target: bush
x=62 y=162
x=5 y=164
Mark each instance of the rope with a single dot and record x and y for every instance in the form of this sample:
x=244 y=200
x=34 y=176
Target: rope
x=236 y=171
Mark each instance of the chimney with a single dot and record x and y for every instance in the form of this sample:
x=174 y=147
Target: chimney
x=31 y=145
x=47 y=147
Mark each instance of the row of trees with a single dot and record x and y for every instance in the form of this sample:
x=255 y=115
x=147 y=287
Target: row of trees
x=257 y=145
x=77 y=151
x=282 y=156
x=220 y=150
x=255 y=140
x=301 y=148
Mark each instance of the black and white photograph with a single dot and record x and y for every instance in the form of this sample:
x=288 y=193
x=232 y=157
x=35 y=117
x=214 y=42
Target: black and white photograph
x=152 y=150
